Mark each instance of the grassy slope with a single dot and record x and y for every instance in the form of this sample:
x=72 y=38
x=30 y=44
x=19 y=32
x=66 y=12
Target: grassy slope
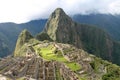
x=51 y=53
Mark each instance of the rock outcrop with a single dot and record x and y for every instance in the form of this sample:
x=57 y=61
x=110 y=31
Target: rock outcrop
x=23 y=38
x=61 y=28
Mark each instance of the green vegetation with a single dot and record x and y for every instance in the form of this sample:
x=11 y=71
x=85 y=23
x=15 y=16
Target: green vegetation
x=21 y=51
x=113 y=73
x=73 y=66
x=33 y=42
x=51 y=53
x=21 y=78
x=83 y=78
x=43 y=36
x=48 y=53
x=4 y=50
x=110 y=23
x=116 y=49
x=24 y=37
x=95 y=43
x=96 y=64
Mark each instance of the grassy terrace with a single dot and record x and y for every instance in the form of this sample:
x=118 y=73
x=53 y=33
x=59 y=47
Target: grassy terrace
x=51 y=53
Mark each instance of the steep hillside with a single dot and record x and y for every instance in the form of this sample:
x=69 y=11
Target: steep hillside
x=108 y=22
x=116 y=53
x=43 y=36
x=9 y=32
x=23 y=38
x=61 y=28
x=4 y=50
x=55 y=61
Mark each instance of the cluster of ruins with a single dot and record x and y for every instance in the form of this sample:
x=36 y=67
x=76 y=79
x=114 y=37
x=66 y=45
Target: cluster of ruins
x=35 y=68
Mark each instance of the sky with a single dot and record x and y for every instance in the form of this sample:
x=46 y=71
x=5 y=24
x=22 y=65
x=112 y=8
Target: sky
x=21 y=11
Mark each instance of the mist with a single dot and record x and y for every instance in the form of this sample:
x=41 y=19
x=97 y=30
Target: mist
x=20 y=11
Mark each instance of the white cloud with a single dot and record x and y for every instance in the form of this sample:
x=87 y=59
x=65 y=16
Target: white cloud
x=115 y=7
x=24 y=10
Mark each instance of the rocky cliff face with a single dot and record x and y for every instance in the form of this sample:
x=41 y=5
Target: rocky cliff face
x=61 y=28
x=23 y=38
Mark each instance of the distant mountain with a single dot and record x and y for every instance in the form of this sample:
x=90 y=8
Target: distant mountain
x=34 y=26
x=9 y=32
x=4 y=50
x=92 y=39
x=108 y=22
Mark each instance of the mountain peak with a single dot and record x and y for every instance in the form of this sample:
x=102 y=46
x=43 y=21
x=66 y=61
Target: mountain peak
x=24 y=37
x=59 y=15
x=59 y=11
x=59 y=21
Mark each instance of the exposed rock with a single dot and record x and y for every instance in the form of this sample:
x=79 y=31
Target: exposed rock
x=61 y=28
x=23 y=38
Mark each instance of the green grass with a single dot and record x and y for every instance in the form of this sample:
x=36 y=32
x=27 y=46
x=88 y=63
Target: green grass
x=21 y=78
x=73 y=66
x=49 y=53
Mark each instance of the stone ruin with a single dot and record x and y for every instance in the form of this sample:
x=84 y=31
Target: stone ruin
x=34 y=68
